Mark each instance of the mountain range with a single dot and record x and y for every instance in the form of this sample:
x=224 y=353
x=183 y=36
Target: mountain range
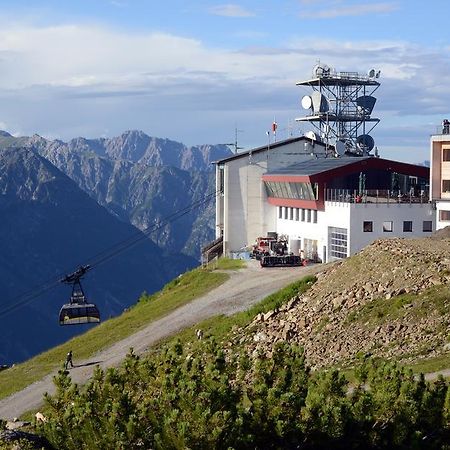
x=67 y=204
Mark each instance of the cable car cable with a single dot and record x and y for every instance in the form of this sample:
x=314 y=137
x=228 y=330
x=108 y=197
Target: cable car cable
x=104 y=255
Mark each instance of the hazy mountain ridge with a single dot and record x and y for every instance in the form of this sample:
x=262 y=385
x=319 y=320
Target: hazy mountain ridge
x=141 y=180
x=49 y=226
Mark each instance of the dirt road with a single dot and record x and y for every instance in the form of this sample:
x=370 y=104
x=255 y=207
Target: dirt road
x=244 y=288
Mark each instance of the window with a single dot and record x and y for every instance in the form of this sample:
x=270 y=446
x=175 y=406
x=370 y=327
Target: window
x=280 y=212
x=407 y=226
x=291 y=213
x=388 y=226
x=314 y=216
x=445 y=185
x=337 y=242
x=297 y=214
x=303 y=215
x=446 y=154
x=444 y=215
x=427 y=226
x=367 y=227
x=308 y=215
x=285 y=212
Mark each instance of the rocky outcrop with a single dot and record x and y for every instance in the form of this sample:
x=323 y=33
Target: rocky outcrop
x=390 y=300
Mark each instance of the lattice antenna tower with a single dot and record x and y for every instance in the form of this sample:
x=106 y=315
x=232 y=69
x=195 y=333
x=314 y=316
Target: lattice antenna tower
x=340 y=109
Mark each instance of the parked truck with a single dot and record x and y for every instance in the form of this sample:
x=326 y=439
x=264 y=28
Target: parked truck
x=272 y=251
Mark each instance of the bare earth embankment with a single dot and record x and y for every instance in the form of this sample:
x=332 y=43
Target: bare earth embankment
x=392 y=300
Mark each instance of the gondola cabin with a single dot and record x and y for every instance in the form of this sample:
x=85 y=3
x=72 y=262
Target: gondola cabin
x=78 y=311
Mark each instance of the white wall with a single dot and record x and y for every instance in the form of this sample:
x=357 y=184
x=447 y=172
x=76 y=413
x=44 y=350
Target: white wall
x=246 y=213
x=395 y=212
x=441 y=206
x=351 y=217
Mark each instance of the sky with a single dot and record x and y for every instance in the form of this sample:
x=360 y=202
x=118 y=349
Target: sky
x=203 y=72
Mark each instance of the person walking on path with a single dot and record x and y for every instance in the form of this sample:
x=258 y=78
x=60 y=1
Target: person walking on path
x=68 y=360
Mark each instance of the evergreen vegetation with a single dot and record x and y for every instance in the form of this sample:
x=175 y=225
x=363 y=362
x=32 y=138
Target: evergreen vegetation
x=212 y=398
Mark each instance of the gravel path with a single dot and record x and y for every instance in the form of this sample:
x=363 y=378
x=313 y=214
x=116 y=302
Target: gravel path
x=244 y=288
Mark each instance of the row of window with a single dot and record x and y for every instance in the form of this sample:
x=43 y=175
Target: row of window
x=297 y=214
x=388 y=226
x=302 y=191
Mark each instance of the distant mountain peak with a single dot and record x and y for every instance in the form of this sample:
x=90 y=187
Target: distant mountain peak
x=5 y=134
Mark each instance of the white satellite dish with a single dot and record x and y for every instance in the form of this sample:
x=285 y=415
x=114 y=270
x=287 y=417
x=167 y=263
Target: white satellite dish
x=321 y=70
x=311 y=135
x=307 y=102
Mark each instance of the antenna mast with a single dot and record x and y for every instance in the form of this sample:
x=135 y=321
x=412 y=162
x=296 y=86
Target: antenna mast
x=340 y=108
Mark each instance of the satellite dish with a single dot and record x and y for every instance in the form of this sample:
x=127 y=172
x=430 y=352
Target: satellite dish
x=340 y=148
x=307 y=102
x=321 y=70
x=320 y=103
x=365 y=142
x=365 y=104
x=372 y=73
x=311 y=135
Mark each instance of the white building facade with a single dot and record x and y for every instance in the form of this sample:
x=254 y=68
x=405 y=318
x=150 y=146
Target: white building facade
x=326 y=207
x=242 y=210
x=344 y=228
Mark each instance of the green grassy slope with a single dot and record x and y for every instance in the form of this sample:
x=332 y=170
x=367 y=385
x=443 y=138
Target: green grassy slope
x=149 y=308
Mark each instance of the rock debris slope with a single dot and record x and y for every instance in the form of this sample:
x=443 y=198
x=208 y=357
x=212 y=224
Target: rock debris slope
x=390 y=300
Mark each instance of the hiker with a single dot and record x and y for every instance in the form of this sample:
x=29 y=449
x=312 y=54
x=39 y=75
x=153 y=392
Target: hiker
x=68 y=360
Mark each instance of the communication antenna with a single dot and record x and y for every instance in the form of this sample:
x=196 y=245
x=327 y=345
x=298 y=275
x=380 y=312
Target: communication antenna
x=235 y=143
x=340 y=108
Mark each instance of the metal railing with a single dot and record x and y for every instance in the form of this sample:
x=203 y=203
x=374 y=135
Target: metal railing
x=442 y=130
x=374 y=196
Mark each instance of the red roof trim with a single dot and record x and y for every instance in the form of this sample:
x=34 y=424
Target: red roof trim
x=287 y=178
x=295 y=203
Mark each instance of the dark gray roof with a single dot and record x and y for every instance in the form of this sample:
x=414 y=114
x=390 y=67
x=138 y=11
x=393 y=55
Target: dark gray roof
x=272 y=146
x=313 y=165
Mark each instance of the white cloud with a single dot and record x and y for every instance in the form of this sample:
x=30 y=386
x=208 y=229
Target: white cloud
x=342 y=10
x=83 y=79
x=230 y=10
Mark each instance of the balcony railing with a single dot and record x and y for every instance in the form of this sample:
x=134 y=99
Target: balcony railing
x=374 y=196
x=442 y=130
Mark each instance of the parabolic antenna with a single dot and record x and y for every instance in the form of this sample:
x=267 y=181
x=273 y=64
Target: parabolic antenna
x=321 y=70
x=365 y=142
x=340 y=148
x=311 y=135
x=366 y=104
x=372 y=73
x=307 y=102
x=319 y=103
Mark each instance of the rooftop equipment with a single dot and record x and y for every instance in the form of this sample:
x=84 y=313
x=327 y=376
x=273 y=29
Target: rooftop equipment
x=340 y=108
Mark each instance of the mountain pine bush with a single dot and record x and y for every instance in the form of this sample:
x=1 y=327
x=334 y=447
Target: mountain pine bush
x=197 y=398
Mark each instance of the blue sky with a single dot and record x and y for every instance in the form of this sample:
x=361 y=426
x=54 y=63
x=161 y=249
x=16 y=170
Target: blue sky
x=194 y=71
